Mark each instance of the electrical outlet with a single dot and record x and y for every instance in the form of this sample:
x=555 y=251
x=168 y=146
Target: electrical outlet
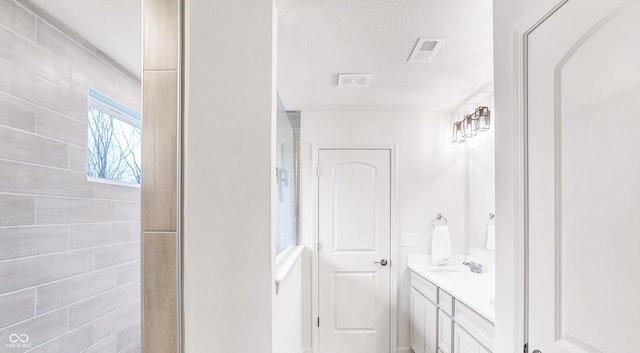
x=409 y=239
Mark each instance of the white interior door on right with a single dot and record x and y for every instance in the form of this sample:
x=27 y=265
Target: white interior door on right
x=583 y=96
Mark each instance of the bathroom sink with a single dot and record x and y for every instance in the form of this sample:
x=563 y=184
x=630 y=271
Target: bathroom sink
x=450 y=269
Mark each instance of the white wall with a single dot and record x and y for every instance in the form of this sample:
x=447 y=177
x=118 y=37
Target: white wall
x=229 y=175
x=506 y=14
x=287 y=312
x=431 y=177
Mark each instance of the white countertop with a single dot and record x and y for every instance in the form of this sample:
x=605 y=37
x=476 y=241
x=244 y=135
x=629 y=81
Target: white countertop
x=477 y=291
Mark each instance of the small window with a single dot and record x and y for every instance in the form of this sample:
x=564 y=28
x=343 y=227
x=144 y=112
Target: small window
x=114 y=143
x=288 y=163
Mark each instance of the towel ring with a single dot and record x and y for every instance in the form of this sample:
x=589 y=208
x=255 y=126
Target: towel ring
x=439 y=218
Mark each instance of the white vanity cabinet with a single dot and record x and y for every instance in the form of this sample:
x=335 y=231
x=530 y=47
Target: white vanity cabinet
x=442 y=324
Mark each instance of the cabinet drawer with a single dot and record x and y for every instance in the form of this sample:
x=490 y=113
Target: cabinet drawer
x=428 y=289
x=475 y=324
x=465 y=343
x=445 y=301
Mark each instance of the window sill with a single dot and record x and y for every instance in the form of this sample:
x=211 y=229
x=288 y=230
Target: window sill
x=285 y=265
x=112 y=182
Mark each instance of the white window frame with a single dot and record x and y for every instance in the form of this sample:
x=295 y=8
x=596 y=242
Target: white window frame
x=117 y=110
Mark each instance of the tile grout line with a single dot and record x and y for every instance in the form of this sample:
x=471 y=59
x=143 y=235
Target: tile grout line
x=75 y=276
x=110 y=290
x=35 y=211
x=35 y=302
x=67 y=197
x=30 y=40
x=38 y=134
x=35 y=25
x=70 y=251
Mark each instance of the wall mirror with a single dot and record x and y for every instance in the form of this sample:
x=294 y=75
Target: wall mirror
x=481 y=184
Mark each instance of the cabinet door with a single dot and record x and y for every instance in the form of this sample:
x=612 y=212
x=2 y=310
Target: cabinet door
x=445 y=333
x=431 y=327
x=424 y=323
x=465 y=343
x=418 y=321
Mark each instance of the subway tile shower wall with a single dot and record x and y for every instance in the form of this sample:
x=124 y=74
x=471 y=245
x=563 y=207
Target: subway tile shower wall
x=69 y=247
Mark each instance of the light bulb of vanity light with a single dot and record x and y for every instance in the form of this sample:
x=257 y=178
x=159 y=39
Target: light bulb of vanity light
x=469 y=126
x=483 y=116
x=457 y=132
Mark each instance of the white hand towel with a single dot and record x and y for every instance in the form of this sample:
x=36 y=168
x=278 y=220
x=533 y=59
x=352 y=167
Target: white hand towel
x=491 y=237
x=440 y=244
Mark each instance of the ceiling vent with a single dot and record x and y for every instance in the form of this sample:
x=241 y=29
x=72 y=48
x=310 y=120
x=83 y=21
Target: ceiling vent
x=354 y=80
x=425 y=49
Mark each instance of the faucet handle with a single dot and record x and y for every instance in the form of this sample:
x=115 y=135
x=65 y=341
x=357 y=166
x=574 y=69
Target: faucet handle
x=474 y=267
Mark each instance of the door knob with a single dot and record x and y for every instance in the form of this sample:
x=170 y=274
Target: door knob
x=382 y=262
x=537 y=351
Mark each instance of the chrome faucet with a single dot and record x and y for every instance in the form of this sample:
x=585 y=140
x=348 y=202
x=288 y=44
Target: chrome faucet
x=474 y=267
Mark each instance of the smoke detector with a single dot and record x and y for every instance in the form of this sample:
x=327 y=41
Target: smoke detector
x=425 y=49
x=354 y=80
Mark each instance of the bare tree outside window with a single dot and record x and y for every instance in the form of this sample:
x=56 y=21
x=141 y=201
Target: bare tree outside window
x=114 y=148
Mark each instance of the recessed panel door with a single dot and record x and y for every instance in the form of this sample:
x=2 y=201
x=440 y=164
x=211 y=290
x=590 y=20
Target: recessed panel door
x=354 y=227
x=584 y=178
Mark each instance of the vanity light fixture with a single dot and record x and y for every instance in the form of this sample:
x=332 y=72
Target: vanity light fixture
x=469 y=126
x=457 y=132
x=483 y=116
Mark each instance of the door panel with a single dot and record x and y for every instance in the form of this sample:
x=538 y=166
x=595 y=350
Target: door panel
x=354 y=231
x=354 y=227
x=355 y=301
x=584 y=167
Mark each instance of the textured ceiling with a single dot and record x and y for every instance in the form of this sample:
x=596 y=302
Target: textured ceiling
x=317 y=39
x=113 y=26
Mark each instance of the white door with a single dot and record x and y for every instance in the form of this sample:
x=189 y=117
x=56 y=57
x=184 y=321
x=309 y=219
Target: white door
x=584 y=179
x=354 y=231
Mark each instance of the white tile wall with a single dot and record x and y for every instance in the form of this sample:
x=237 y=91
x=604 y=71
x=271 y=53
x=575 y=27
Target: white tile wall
x=69 y=247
